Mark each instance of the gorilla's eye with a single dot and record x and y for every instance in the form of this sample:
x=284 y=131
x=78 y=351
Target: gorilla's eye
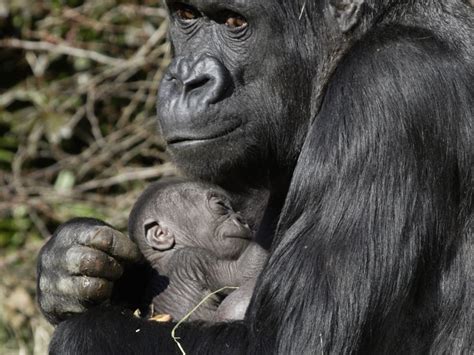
x=186 y=13
x=235 y=21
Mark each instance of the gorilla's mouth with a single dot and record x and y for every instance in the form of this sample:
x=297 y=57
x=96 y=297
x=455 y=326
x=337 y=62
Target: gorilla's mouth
x=239 y=236
x=184 y=139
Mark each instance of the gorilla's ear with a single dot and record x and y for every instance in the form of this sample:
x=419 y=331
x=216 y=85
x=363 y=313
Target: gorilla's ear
x=347 y=13
x=158 y=236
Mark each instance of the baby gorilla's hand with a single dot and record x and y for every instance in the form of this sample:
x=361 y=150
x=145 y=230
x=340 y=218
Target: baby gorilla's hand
x=235 y=305
x=78 y=266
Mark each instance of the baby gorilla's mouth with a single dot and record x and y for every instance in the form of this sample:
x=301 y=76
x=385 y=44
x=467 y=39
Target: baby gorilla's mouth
x=240 y=231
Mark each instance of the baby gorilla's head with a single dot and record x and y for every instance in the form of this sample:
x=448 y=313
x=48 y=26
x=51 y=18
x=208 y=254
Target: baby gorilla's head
x=180 y=213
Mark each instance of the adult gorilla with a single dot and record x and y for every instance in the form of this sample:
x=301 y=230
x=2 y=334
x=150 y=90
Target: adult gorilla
x=365 y=109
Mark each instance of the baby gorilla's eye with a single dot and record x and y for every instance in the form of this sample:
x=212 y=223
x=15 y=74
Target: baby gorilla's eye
x=219 y=205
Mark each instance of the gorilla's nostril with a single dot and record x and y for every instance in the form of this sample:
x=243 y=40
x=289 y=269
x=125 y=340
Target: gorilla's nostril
x=196 y=83
x=169 y=76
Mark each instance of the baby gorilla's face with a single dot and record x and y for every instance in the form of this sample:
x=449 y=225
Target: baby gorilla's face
x=191 y=215
x=227 y=230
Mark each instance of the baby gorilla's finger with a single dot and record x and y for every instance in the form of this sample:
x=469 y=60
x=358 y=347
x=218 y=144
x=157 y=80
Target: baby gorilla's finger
x=111 y=242
x=86 y=288
x=86 y=261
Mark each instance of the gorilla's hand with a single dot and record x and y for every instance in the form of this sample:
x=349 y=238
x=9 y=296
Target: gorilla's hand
x=78 y=266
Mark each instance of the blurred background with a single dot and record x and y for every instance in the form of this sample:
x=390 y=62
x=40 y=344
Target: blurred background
x=78 y=84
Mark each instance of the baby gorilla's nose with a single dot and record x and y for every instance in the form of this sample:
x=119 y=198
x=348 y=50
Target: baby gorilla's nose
x=239 y=221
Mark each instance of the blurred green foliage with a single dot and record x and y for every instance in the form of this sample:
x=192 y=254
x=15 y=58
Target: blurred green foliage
x=78 y=83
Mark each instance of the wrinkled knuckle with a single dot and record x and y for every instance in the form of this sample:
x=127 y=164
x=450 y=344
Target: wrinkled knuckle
x=87 y=287
x=107 y=263
x=66 y=236
x=88 y=263
x=50 y=260
x=104 y=238
x=72 y=259
x=45 y=285
x=94 y=289
x=63 y=233
x=72 y=252
x=66 y=285
x=116 y=270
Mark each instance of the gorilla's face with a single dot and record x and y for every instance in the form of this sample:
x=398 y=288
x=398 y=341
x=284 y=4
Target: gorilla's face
x=228 y=102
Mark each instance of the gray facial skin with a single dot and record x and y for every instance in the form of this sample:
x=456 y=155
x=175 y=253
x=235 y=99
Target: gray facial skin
x=196 y=244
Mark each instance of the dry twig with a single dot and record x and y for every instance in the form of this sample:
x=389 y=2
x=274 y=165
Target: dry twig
x=60 y=49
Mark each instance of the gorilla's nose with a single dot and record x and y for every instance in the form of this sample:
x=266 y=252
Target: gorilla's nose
x=197 y=81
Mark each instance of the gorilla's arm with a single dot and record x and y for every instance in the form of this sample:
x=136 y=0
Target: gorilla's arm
x=374 y=207
x=113 y=330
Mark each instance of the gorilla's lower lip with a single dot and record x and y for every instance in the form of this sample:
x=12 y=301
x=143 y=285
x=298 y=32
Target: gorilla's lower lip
x=244 y=237
x=183 y=140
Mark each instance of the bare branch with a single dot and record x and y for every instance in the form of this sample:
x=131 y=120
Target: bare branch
x=61 y=49
x=141 y=174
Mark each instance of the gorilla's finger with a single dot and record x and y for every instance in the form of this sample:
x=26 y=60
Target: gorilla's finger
x=86 y=288
x=111 y=242
x=81 y=260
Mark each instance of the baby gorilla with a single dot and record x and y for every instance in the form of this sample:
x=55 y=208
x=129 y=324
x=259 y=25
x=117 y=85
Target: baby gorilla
x=195 y=243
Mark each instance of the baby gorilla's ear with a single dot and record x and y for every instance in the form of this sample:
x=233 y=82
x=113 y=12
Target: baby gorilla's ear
x=158 y=236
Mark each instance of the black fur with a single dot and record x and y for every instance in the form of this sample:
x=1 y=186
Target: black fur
x=374 y=247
